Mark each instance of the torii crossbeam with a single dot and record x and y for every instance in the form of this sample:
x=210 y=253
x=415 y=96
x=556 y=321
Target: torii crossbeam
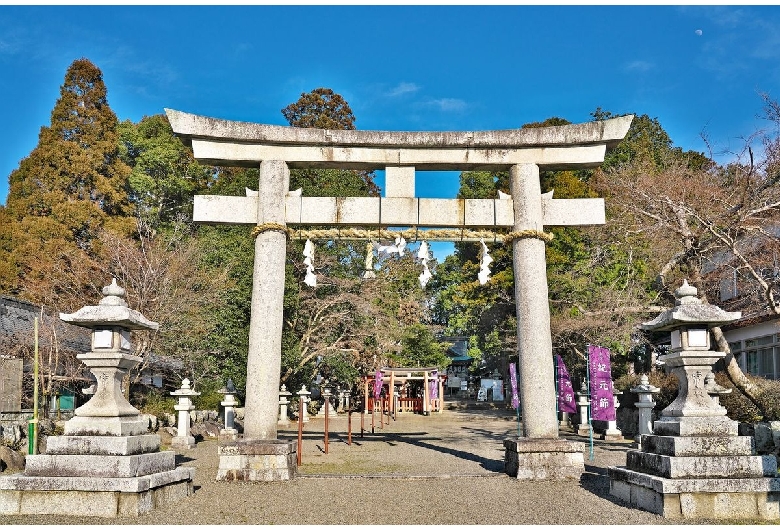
x=523 y=152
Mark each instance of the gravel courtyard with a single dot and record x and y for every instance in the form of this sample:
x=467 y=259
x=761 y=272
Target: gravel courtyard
x=443 y=469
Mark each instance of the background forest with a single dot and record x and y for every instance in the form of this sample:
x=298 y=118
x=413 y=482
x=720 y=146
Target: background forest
x=98 y=198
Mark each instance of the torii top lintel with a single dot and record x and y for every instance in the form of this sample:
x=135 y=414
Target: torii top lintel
x=234 y=143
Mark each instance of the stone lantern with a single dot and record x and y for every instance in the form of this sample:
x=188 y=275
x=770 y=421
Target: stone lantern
x=185 y=394
x=108 y=412
x=690 y=359
x=106 y=464
x=695 y=465
x=303 y=399
x=283 y=402
x=230 y=403
x=645 y=405
x=583 y=402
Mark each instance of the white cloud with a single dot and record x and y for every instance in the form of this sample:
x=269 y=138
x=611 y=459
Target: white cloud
x=403 y=88
x=639 y=66
x=449 y=104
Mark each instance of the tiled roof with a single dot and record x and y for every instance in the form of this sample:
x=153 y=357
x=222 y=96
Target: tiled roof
x=17 y=325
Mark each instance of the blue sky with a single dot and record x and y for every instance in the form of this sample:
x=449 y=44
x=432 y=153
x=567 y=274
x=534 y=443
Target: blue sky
x=697 y=69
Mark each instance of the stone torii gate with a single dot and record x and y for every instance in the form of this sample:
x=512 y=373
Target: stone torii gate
x=523 y=152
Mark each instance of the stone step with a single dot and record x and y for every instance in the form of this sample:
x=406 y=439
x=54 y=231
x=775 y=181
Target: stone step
x=99 y=465
x=93 y=496
x=695 y=426
x=719 y=498
x=702 y=466
x=698 y=445
x=102 y=445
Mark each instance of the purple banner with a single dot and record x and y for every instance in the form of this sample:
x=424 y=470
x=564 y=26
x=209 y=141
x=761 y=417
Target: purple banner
x=602 y=401
x=433 y=385
x=513 y=381
x=378 y=384
x=566 y=401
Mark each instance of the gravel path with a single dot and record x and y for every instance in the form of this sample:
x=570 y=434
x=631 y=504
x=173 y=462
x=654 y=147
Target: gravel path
x=443 y=469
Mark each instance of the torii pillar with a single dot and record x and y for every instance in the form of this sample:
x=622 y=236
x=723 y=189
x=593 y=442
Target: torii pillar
x=259 y=455
x=539 y=454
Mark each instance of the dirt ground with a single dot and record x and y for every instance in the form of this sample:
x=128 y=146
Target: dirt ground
x=444 y=468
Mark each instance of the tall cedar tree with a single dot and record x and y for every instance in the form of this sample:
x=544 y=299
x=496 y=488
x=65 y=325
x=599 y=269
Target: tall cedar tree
x=72 y=185
x=322 y=108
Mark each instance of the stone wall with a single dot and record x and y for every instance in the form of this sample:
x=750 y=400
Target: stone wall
x=11 y=384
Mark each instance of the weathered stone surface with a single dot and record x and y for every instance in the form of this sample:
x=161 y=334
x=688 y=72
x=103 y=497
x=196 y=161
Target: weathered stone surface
x=696 y=426
x=21 y=481
x=265 y=325
x=534 y=342
x=698 y=498
x=399 y=181
x=99 y=497
x=698 y=445
x=544 y=459
x=257 y=460
x=700 y=466
x=222 y=142
x=99 y=465
x=441 y=212
x=258 y=447
x=102 y=445
x=106 y=426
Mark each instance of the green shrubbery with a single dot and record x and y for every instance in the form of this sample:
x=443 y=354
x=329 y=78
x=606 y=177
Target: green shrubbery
x=157 y=403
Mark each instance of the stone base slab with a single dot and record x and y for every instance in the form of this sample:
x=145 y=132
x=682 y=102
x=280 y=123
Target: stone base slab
x=88 y=496
x=183 y=442
x=257 y=460
x=725 y=498
x=47 y=465
x=695 y=426
x=702 y=466
x=611 y=435
x=544 y=458
x=698 y=445
x=106 y=426
x=102 y=445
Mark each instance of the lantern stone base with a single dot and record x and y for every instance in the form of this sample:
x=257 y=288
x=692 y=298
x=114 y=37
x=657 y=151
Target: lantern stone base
x=93 y=497
x=257 y=460
x=544 y=458
x=716 y=498
x=102 y=476
x=702 y=476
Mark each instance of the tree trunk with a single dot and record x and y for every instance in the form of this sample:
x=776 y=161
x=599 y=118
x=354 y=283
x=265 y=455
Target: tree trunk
x=735 y=373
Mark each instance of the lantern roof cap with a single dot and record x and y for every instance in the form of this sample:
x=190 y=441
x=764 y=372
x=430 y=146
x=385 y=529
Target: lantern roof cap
x=112 y=310
x=690 y=310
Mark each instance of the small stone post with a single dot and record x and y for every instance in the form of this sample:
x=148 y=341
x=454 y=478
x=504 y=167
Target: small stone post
x=303 y=396
x=183 y=438
x=326 y=403
x=283 y=401
x=645 y=406
x=583 y=402
x=230 y=403
x=612 y=433
x=342 y=404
